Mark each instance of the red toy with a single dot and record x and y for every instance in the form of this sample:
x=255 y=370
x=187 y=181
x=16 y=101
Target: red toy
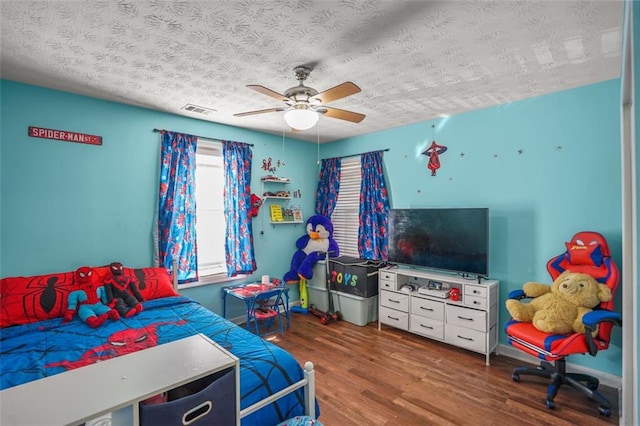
x=256 y=202
x=122 y=291
x=434 y=152
x=89 y=300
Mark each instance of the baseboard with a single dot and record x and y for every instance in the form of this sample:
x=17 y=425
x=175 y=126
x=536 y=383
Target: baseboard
x=605 y=378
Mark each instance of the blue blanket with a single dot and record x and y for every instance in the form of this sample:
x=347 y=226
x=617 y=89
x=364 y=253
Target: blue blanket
x=33 y=351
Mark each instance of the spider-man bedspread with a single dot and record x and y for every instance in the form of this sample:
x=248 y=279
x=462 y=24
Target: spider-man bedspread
x=36 y=350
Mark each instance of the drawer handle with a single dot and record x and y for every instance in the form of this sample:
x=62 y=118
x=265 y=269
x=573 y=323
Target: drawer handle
x=197 y=413
x=476 y=292
x=475 y=302
x=426 y=309
x=466 y=319
x=465 y=338
x=394 y=301
x=393 y=318
x=426 y=326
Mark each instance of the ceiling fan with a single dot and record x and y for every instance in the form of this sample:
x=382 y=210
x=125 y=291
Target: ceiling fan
x=304 y=104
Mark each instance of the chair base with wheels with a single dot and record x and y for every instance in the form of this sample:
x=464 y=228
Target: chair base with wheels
x=584 y=383
x=587 y=253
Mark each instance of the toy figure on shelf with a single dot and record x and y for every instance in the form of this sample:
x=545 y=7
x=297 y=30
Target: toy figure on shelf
x=89 y=300
x=122 y=291
x=312 y=247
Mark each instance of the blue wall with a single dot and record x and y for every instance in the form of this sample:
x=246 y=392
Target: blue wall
x=67 y=204
x=566 y=179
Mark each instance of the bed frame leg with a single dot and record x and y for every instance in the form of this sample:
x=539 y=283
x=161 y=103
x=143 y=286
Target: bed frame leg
x=174 y=274
x=310 y=391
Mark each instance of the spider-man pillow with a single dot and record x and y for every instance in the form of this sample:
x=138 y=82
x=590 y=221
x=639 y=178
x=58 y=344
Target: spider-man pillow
x=36 y=298
x=153 y=282
x=581 y=254
x=31 y=299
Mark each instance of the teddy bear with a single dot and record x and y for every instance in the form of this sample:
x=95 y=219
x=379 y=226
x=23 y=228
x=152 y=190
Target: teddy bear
x=312 y=247
x=559 y=308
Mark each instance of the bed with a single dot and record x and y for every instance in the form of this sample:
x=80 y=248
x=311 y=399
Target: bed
x=31 y=350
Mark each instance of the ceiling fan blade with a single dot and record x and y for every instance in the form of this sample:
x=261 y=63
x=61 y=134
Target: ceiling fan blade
x=342 y=114
x=338 y=92
x=268 y=92
x=260 y=111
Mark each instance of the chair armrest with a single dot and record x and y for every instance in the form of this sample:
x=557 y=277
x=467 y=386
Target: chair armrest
x=591 y=321
x=517 y=294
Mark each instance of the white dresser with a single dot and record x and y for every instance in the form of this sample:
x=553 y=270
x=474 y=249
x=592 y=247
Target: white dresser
x=470 y=323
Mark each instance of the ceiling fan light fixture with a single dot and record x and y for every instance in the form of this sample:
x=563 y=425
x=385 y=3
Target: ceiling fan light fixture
x=301 y=119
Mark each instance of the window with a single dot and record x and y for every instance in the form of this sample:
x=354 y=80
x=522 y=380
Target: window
x=346 y=214
x=210 y=219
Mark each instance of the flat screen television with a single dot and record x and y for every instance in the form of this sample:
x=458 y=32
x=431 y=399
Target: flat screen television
x=448 y=239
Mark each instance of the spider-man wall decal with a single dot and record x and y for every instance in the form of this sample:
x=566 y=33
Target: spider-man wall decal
x=433 y=152
x=119 y=343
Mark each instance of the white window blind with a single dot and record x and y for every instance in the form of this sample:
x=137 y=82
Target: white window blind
x=345 y=216
x=210 y=219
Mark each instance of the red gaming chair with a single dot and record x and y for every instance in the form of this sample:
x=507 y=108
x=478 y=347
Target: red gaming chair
x=588 y=252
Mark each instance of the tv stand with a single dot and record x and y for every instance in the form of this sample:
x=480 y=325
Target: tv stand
x=470 y=323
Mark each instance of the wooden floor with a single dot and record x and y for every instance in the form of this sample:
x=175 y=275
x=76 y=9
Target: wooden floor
x=391 y=377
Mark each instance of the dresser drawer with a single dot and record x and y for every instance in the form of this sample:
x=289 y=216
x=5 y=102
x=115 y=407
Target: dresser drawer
x=426 y=326
x=386 y=284
x=465 y=338
x=386 y=275
x=396 y=301
x=475 y=302
x=427 y=308
x=467 y=318
x=394 y=318
x=476 y=291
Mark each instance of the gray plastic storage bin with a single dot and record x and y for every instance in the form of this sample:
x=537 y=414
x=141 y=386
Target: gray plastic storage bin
x=355 y=309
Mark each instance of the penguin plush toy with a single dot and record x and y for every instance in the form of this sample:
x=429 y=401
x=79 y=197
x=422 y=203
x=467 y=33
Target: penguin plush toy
x=312 y=247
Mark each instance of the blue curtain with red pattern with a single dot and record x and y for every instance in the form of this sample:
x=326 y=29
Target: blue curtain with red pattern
x=373 y=239
x=237 y=158
x=328 y=186
x=177 y=205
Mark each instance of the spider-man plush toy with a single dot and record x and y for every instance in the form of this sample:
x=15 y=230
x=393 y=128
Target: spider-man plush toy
x=122 y=291
x=256 y=202
x=89 y=300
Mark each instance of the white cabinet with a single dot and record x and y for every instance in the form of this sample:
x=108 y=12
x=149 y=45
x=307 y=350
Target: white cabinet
x=470 y=323
x=123 y=381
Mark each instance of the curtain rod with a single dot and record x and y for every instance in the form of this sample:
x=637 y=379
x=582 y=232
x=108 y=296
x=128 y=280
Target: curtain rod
x=198 y=136
x=353 y=155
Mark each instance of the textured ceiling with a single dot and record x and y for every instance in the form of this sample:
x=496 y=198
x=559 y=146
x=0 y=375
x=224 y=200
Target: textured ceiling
x=413 y=60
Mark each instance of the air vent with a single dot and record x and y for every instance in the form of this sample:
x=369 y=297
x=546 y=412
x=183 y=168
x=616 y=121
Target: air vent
x=198 y=109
